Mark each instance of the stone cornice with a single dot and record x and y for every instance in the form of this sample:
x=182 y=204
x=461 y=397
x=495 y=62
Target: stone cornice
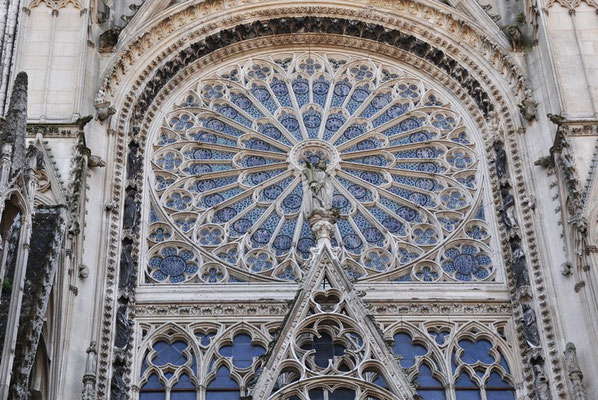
x=52 y=130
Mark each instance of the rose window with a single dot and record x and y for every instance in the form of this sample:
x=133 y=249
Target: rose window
x=228 y=182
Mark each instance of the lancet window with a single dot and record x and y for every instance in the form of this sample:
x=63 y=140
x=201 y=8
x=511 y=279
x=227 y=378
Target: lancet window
x=181 y=363
x=467 y=364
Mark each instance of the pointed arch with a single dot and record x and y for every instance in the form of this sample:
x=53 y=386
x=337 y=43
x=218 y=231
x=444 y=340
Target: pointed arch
x=146 y=79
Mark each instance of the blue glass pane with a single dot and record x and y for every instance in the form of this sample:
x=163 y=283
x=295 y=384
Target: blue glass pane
x=153 y=383
x=404 y=346
x=169 y=353
x=478 y=351
x=431 y=394
x=242 y=351
x=229 y=395
x=317 y=394
x=426 y=379
x=325 y=350
x=380 y=381
x=223 y=381
x=184 y=383
x=503 y=363
x=144 y=364
x=500 y=394
x=496 y=381
x=342 y=394
x=465 y=381
x=467 y=395
x=152 y=396
x=187 y=395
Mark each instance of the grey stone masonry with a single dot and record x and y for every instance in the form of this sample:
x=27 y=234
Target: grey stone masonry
x=15 y=126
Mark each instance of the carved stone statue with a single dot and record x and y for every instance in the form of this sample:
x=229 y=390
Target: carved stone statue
x=319 y=194
x=530 y=326
x=127 y=268
x=493 y=123
x=515 y=37
x=508 y=200
x=123 y=328
x=90 y=363
x=133 y=161
x=89 y=378
x=519 y=266
x=501 y=160
x=131 y=210
x=118 y=387
x=541 y=385
x=528 y=107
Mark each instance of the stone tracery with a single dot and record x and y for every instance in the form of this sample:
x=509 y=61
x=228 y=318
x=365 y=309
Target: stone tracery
x=185 y=359
x=153 y=89
x=228 y=163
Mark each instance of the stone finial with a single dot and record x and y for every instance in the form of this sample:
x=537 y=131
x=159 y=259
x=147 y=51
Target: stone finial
x=575 y=374
x=89 y=378
x=15 y=126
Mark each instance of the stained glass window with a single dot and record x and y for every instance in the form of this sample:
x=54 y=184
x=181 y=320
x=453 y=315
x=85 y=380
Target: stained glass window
x=227 y=186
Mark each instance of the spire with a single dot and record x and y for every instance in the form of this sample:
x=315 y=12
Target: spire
x=15 y=125
x=328 y=342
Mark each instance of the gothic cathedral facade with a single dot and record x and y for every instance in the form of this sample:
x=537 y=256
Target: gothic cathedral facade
x=299 y=200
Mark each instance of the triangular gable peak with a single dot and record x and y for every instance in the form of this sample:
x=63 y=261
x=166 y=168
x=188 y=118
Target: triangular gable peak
x=328 y=343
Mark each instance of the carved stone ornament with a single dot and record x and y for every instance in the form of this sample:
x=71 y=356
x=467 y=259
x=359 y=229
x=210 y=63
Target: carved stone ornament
x=326 y=292
x=530 y=326
x=104 y=110
x=571 y=5
x=118 y=387
x=55 y=5
x=107 y=43
x=528 y=107
x=515 y=37
x=382 y=11
x=123 y=328
x=541 y=383
x=158 y=88
x=575 y=374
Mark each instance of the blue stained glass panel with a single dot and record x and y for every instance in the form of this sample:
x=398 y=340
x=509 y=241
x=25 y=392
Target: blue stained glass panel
x=242 y=351
x=403 y=345
x=223 y=387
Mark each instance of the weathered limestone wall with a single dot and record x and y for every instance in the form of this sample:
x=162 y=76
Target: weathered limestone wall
x=562 y=72
x=52 y=52
x=573 y=39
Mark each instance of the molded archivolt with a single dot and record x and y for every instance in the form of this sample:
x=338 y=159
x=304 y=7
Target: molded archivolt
x=226 y=181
